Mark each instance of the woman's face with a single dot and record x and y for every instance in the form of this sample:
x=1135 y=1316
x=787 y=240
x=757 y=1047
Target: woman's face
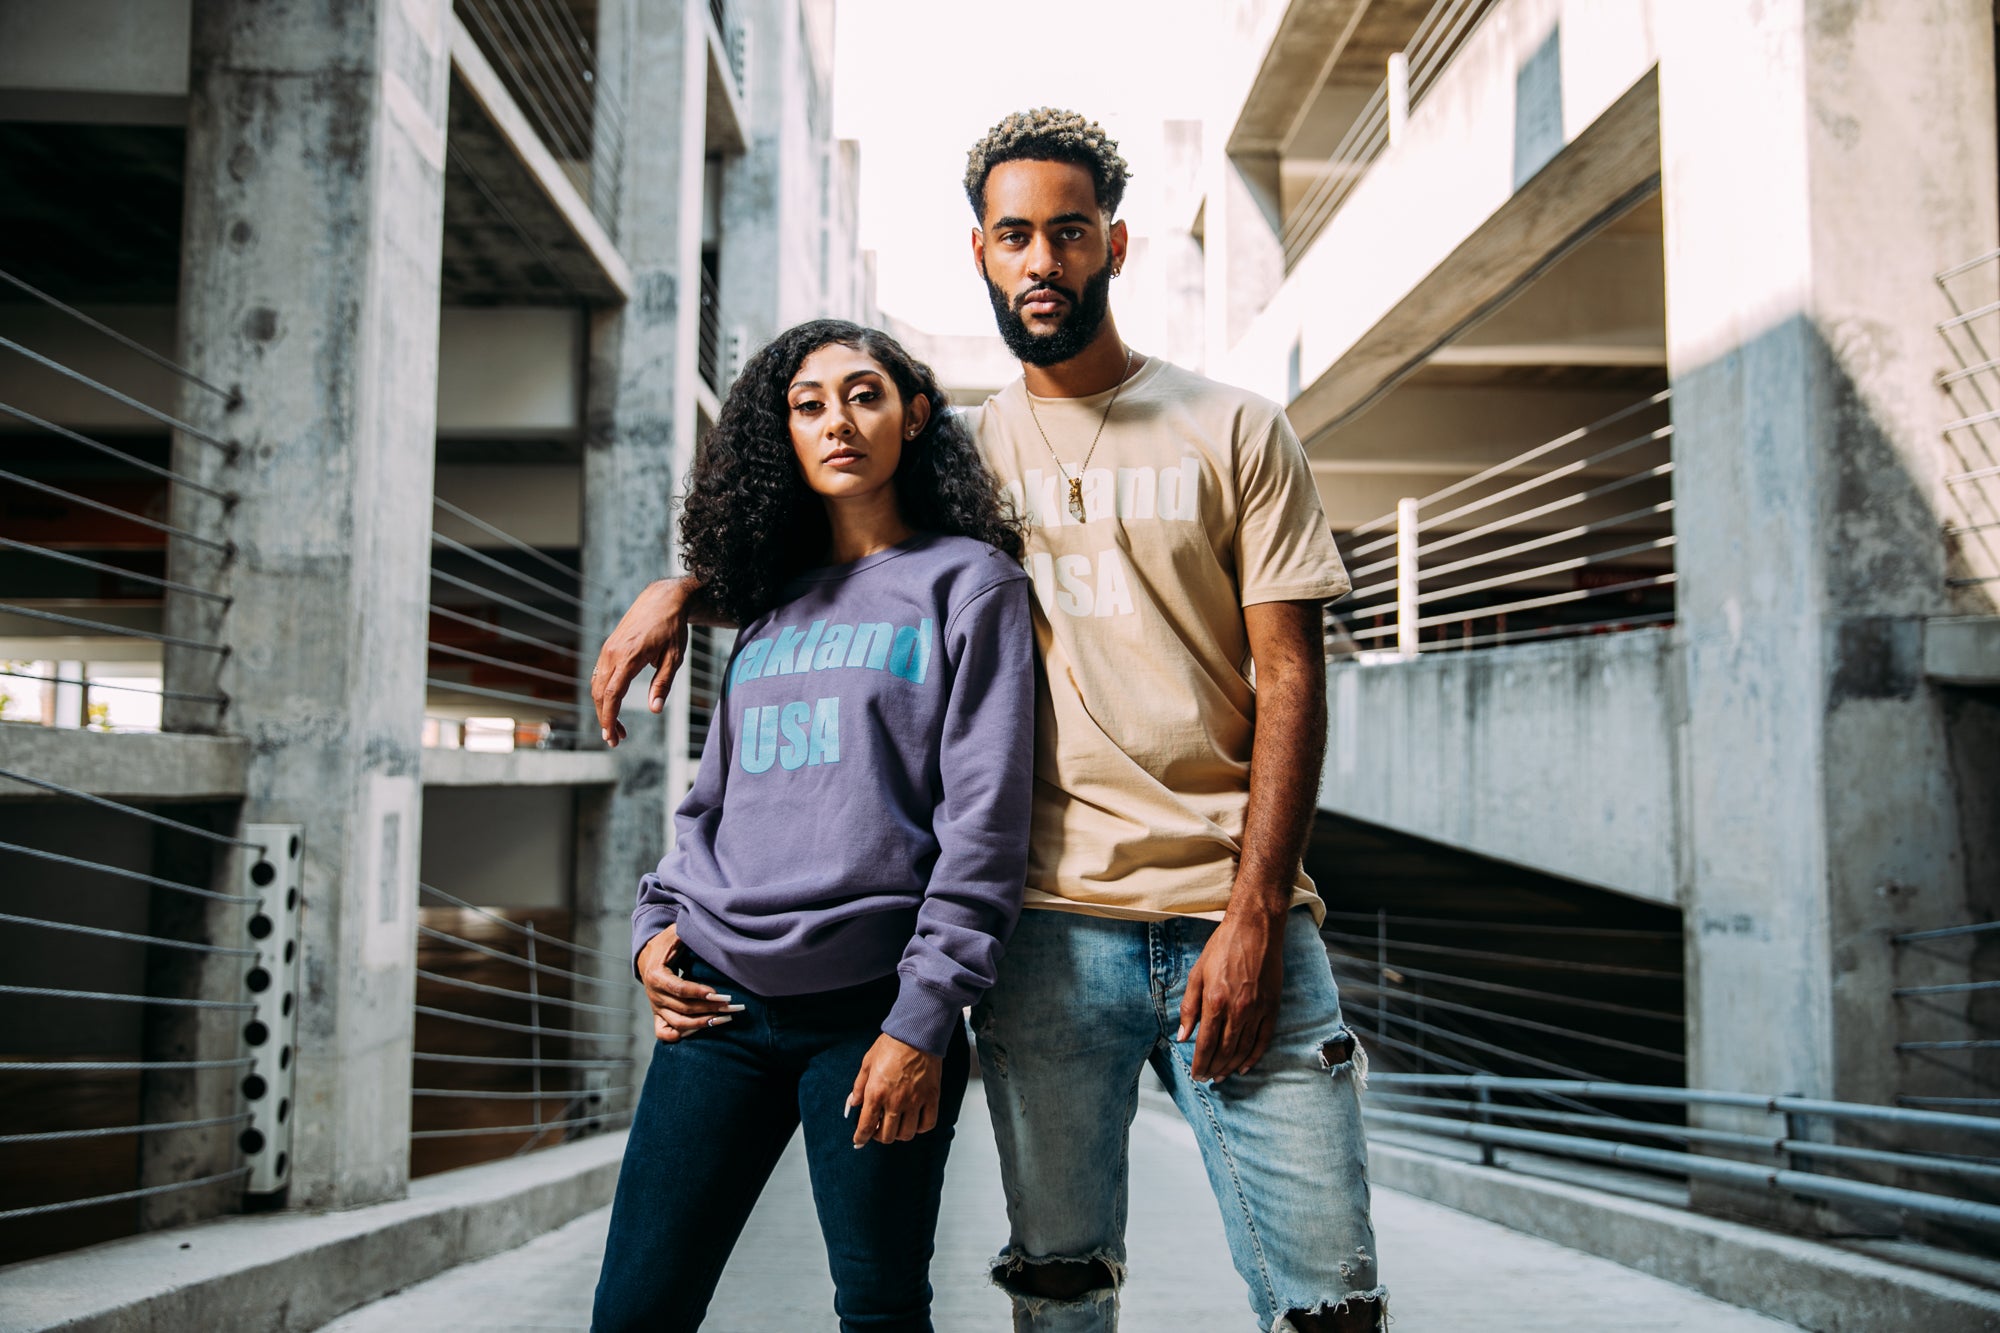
x=848 y=422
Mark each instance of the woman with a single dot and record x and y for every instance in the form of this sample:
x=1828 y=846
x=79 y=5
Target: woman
x=849 y=862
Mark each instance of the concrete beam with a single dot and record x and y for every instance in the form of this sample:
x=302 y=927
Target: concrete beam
x=1307 y=43
x=1576 y=735
x=1606 y=170
x=544 y=198
x=522 y=768
x=1963 y=650
x=163 y=767
x=297 y=1271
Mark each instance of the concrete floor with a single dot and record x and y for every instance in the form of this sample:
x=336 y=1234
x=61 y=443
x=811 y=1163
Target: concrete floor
x=1446 y=1271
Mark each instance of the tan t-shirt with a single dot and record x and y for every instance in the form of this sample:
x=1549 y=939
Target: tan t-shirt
x=1198 y=502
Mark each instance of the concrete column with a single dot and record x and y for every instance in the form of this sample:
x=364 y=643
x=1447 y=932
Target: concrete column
x=640 y=429
x=757 y=267
x=1241 y=239
x=1820 y=161
x=310 y=270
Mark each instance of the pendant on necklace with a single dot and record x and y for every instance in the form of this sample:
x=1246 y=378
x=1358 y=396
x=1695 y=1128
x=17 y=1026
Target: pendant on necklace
x=1076 y=498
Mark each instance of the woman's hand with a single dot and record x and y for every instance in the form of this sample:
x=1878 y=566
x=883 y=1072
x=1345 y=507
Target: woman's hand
x=652 y=633
x=681 y=1007
x=896 y=1092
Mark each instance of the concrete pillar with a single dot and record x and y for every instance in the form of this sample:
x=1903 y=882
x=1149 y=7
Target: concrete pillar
x=1242 y=225
x=310 y=270
x=757 y=268
x=639 y=432
x=1820 y=161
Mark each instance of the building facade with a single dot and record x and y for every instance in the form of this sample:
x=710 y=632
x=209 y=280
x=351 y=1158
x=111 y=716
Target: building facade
x=1643 y=354
x=354 y=357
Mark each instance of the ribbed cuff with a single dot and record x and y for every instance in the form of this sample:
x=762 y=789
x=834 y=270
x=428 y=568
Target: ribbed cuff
x=921 y=1017
x=648 y=921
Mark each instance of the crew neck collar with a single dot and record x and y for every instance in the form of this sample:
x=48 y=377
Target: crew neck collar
x=825 y=573
x=1139 y=378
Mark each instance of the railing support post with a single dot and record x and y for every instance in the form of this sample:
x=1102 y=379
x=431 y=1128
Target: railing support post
x=1399 y=96
x=1406 y=577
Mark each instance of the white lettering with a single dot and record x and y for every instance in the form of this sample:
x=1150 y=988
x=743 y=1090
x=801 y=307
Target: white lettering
x=1114 y=591
x=1073 y=595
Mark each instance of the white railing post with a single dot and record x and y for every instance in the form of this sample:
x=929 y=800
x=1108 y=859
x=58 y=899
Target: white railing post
x=1406 y=576
x=1399 y=96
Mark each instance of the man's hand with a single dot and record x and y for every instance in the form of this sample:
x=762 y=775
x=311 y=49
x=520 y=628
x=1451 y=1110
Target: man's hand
x=681 y=1007
x=896 y=1092
x=1231 y=1003
x=653 y=633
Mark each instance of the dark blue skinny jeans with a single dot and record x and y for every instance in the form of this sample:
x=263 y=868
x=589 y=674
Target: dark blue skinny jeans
x=716 y=1113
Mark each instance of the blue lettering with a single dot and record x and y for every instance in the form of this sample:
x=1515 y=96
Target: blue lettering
x=783 y=651
x=806 y=648
x=833 y=648
x=760 y=738
x=750 y=661
x=871 y=645
x=825 y=748
x=793 y=719
x=911 y=658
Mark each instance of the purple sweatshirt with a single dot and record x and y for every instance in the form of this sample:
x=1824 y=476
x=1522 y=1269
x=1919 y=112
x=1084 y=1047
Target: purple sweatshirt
x=862 y=804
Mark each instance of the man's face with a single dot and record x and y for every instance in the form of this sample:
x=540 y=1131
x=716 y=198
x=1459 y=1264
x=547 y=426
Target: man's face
x=1047 y=258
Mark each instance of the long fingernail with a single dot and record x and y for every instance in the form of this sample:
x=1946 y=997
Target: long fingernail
x=1182 y=1034
x=718 y=1022
x=735 y=1009
x=720 y=998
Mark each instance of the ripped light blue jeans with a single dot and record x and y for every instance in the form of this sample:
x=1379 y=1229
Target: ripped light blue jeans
x=1082 y=1004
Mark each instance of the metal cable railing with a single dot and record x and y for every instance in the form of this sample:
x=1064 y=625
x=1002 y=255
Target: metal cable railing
x=1793 y=1163
x=146 y=1025
x=1437 y=38
x=87 y=559
x=1971 y=482
x=1510 y=1051
x=1536 y=546
x=523 y=648
x=708 y=341
x=549 y=66
x=1955 y=1008
x=507 y=1058
x=707 y=656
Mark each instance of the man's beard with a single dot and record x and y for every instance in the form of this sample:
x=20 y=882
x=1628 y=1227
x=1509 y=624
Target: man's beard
x=1079 y=327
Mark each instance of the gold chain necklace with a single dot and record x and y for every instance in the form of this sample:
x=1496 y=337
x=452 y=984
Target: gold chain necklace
x=1076 y=483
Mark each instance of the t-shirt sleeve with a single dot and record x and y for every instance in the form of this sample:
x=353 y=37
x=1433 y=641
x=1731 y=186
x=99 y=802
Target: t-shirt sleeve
x=1284 y=550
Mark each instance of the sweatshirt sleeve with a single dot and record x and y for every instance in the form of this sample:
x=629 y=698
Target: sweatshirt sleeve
x=657 y=908
x=985 y=765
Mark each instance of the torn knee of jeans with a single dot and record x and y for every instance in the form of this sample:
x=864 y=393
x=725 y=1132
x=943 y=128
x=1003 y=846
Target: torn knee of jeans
x=1356 y=1312
x=1058 y=1279
x=1342 y=1051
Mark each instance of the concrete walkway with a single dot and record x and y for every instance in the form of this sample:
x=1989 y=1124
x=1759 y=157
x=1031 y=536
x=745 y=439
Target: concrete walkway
x=1447 y=1271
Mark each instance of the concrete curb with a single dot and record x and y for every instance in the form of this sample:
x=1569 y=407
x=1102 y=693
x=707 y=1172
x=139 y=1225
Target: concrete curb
x=298 y=1271
x=1815 y=1286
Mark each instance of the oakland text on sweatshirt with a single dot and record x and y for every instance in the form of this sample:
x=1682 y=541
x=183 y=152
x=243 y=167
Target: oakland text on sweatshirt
x=862 y=802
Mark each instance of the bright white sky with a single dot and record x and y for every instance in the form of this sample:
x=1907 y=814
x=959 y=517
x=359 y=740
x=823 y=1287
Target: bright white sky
x=919 y=81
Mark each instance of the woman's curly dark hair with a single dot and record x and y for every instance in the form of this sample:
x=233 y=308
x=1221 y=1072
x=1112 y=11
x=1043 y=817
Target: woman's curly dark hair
x=750 y=524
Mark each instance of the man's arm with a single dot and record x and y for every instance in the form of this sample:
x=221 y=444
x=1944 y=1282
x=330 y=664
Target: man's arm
x=652 y=633
x=1233 y=989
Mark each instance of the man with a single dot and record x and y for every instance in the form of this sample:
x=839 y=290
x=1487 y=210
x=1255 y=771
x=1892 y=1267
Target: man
x=1175 y=540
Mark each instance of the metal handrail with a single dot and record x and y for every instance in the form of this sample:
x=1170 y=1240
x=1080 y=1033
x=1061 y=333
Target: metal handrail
x=1772 y=1103
x=1830 y=1189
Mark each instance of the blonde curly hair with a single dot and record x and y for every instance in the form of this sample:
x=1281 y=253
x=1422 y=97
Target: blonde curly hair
x=1048 y=134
